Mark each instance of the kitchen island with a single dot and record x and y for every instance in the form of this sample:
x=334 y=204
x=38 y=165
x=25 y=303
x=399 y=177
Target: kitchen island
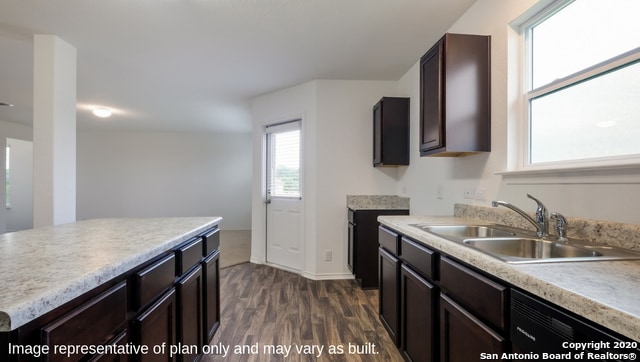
x=100 y=281
x=604 y=292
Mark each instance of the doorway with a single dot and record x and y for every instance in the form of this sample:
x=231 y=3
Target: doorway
x=284 y=238
x=18 y=185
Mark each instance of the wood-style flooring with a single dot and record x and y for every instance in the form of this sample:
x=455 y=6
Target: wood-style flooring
x=262 y=306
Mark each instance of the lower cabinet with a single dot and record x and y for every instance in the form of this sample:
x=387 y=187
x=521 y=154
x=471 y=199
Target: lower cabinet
x=463 y=337
x=157 y=325
x=435 y=308
x=211 y=308
x=190 y=318
x=362 y=244
x=389 y=305
x=418 y=298
x=97 y=321
x=119 y=340
x=171 y=300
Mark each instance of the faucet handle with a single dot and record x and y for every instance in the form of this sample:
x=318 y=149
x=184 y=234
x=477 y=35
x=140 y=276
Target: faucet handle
x=561 y=225
x=541 y=210
x=541 y=215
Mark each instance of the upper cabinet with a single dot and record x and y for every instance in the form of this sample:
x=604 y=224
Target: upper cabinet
x=455 y=96
x=391 y=132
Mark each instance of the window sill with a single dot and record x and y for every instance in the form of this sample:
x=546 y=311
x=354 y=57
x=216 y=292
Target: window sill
x=614 y=174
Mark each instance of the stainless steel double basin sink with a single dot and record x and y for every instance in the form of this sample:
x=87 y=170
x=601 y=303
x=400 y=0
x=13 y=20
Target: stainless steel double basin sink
x=520 y=246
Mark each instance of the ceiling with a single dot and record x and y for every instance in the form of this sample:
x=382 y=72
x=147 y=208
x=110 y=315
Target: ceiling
x=194 y=65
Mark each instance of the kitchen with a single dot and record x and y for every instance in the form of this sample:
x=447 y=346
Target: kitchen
x=338 y=129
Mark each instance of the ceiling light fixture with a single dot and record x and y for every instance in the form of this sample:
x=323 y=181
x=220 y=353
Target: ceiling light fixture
x=102 y=112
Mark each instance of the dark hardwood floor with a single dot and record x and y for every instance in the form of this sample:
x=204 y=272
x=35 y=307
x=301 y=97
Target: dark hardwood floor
x=262 y=306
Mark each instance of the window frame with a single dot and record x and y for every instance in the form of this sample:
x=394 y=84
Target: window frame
x=525 y=28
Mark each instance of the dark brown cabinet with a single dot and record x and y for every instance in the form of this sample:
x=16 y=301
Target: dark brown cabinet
x=419 y=301
x=435 y=308
x=389 y=305
x=391 y=132
x=473 y=311
x=171 y=299
x=157 y=325
x=96 y=322
x=211 y=266
x=463 y=337
x=362 y=249
x=190 y=318
x=455 y=96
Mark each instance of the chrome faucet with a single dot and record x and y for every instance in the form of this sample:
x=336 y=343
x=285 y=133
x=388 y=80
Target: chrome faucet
x=541 y=222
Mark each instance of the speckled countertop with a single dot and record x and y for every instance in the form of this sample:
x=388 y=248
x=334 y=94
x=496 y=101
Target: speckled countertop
x=46 y=267
x=366 y=202
x=604 y=292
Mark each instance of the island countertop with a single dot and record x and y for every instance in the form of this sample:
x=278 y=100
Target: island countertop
x=43 y=268
x=605 y=292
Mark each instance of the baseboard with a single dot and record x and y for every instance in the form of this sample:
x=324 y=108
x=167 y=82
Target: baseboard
x=308 y=275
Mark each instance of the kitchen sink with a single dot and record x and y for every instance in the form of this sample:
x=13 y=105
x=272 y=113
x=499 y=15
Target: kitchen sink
x=530 y=248
x=461 y=232
x=519 y=246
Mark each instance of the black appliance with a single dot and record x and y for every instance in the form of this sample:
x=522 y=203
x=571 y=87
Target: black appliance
x=538 y=327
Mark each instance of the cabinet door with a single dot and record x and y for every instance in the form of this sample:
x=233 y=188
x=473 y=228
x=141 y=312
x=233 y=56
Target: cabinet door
x=211 y=296
x=190 y=321
x=157 y=325
x=389 y=294
x=121 y=340
x=464 y=338
x=431 y=117
x=377 y=133
x=93 y=323
x=418 y=299
x=351 y=248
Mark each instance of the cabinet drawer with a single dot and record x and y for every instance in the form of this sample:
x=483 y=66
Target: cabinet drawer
x=480 y=295
x=420 y=258
x=154 y=279
x=389 y=240
x=189 y=254
x=93 y=323
x=211 y=241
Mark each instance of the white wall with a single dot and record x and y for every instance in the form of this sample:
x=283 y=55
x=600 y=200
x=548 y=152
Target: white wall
x=165 y=174
x=337 y=135
x=344 y=162
x=608 y=195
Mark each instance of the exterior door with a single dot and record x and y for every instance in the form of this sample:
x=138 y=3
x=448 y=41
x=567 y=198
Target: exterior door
x=284 y=196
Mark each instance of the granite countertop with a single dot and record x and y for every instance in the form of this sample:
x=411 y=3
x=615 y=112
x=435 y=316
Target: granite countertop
x=369 y=202
x=46 y=267
x=605 y=292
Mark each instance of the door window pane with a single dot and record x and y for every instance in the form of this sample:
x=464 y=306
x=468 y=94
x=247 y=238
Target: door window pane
x=284 y=164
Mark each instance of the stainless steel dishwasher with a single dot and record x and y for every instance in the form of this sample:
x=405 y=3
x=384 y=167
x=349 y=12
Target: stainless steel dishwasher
x=542 y=329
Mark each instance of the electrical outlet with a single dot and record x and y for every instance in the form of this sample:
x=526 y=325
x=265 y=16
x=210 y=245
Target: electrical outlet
x=481 y=193
x=440 y=192
x=328 y=255
x=469 y=193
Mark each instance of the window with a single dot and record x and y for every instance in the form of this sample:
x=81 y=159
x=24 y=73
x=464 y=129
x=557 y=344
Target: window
x=283 y=160
x=582 y=86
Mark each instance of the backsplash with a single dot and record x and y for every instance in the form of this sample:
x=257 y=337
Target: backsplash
x=596 y=231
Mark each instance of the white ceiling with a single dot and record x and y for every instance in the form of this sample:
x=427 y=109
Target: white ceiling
x=193 y=65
